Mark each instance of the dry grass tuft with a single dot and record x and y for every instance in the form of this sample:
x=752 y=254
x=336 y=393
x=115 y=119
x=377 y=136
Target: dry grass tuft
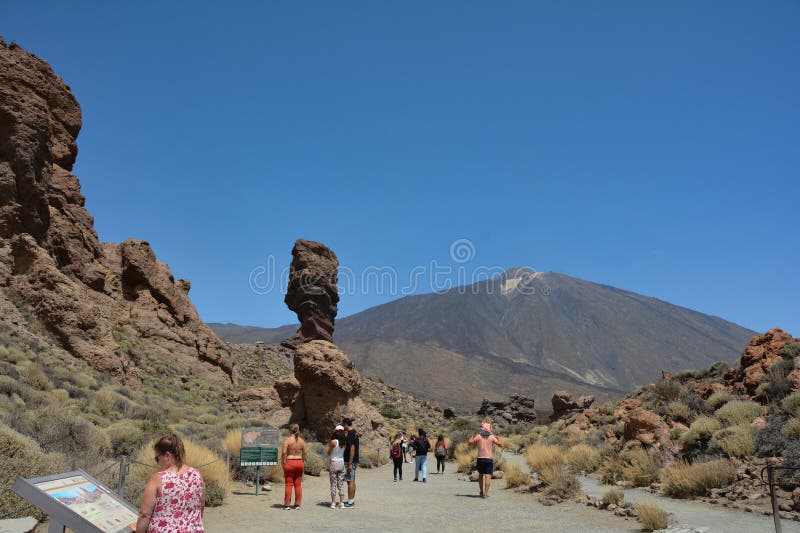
x=736 y=441
x=738 y=412
x=614 y=496
x=514 y=476
x=232 y=442
x=641 y=467
x=582 y=458
x=686 y=480
x=561 y=482
x=544 y=456
x=466 y=457
x=651 y=516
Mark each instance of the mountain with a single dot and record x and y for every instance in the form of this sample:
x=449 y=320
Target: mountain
x=523 y=332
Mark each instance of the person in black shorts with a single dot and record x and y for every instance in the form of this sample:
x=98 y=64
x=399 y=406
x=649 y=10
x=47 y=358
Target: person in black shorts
x=350 y=461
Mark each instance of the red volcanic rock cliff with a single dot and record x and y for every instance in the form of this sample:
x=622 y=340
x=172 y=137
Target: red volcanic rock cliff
x=114 y=305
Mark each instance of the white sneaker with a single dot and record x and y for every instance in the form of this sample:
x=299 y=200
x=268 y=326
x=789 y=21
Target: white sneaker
x=333 y=505
x=341 y=505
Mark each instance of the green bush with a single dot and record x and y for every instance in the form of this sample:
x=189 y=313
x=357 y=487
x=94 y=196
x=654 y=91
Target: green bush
x=314 y=463
x=792 y=429
x=22 y=456
x=668 y=389
x=125 y=437
x=700 y=432
x=791 y=404
x=736 y=441
x=738 y=412
x=678 y=411
x=614 y=496
x=33 y=375
x=790 y=350
x=214 y=494
x=718 y=399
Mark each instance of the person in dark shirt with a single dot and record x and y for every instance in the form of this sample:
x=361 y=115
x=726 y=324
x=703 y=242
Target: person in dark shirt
x=421 y=448
x=351 y=461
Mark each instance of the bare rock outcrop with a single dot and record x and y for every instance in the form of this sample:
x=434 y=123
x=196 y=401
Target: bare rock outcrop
x=116 y=306
x=651 y=430
x=763 y=352
x=329 y=391
x=565 y=404
x=517 y=410
x=312 y=291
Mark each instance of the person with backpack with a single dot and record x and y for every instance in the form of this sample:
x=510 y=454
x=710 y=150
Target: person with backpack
x=421 y=449
x=440 y=451
x=396 y=454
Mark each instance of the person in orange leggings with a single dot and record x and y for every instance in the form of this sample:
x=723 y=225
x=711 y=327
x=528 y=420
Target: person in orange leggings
x=293 y=458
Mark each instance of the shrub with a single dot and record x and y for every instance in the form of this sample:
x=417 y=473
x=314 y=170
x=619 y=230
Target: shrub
x=736 y=441
x=582 y=458
x=125 y=437
x=544 y=456
x=678 y=411
x=790 y=479
x=770 y=441
x=207 y=419
x=561 y=482
x=84 y=381
x=9 y=386
x=315 y=463
x=514 y=476
x=700 y=432
x=791 y=404
x=614 y=496
x=738 y=412
x=791 y=430
x=109 y=403
x=33 y=375
x=718 y=399
x=611 y=470
x=232 y=442
x=790 y=350
x=22 y=456
x=465 y=457
x=640 y=467
x=668 y=389
x=686 y=480
x=214 y=494
x=651 y=516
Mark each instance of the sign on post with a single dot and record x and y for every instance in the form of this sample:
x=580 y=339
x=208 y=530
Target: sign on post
x=259 y=448
x=78 y=501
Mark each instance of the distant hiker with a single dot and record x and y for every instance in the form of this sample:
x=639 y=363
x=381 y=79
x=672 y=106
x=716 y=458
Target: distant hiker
x=440 y=451
x=173 y=498
x=485 y=441
x=336 y=465
x=351 y=461
x=405 y=445
x=421 y=449
x=293 y=460
x=412 y=440
x=396 y=454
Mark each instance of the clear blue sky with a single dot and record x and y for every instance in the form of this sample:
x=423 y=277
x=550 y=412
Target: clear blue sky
x=652 y=146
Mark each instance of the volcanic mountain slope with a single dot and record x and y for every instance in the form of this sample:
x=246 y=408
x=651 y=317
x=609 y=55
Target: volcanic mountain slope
x=524 y=332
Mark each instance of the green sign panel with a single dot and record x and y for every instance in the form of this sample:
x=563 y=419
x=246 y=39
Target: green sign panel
x=258 y=456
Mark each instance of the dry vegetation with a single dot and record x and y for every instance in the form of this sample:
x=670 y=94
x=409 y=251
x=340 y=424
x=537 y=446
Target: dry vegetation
x=686 y=480
x=651 y=516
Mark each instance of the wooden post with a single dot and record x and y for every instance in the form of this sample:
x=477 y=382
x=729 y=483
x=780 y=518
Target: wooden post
x=258 y=478
x=776 y=513
x=122 y=474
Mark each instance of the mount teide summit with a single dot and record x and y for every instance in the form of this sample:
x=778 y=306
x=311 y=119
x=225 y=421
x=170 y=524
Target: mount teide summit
x=524 y=332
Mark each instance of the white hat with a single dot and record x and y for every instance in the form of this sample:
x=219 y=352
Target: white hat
x=339 y=428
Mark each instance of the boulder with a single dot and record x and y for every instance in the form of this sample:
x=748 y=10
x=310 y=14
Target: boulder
x=312 y=293
x=517 y=409
x=564 y=404
x=651 y=430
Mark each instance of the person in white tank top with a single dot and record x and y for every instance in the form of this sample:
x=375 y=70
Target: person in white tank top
x=336 y=465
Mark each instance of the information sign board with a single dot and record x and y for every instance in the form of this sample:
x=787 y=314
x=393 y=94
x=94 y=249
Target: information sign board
x=264 y=437
x=78 y=501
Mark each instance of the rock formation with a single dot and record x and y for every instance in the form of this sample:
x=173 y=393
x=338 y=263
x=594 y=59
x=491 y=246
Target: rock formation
x=114 y=305
x=763 y=352
x=565 y=404
x=312 y=292
x=517 y=410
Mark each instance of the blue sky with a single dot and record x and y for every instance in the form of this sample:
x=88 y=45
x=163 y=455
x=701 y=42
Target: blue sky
x=652 y=146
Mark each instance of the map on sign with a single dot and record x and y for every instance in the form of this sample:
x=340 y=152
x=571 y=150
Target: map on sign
x=260 y=437
x=92 y=502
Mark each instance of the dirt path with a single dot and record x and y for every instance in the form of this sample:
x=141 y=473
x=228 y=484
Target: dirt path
x=447 y=503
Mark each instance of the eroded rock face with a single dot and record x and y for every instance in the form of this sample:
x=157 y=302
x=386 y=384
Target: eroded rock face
x=329 y=391
x=565 y=404
x=651 y=430
x=312 y=291
x=517 y=410
x=757 y=360
x=116 y=306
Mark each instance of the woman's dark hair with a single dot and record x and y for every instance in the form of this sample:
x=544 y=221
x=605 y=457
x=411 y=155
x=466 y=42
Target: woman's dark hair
x=440 y=438
x=172 y=444
x=339 y=435
x=421 y=432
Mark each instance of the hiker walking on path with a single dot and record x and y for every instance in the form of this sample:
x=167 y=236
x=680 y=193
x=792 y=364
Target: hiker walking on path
x=440 y=451
x=351 y=461
x=421 y=449
x=173 y=498
x=293 y=460
x=336 y=465
x=396 y=454
x=485 y=442
x=405 y=445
